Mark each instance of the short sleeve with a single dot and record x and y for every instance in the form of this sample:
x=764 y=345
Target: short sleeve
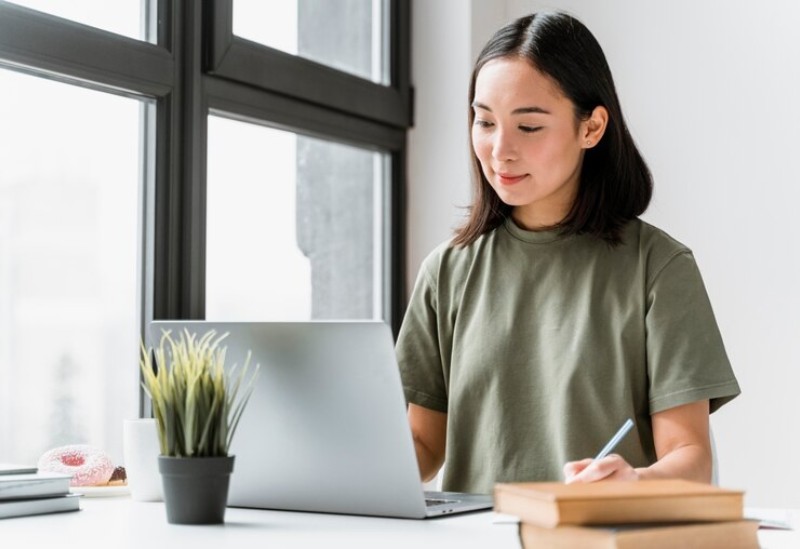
x=418 y=350
x=686 y=358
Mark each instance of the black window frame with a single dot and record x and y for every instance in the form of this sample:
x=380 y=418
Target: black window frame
x=241 y=60
x=256 y=83
x=198 y=67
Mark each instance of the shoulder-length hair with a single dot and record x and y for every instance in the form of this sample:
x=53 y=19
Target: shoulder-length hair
x=615 y=182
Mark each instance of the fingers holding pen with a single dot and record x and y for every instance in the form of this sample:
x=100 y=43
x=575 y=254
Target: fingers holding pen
x=605 y=466
x=611 y=467
x=573 y=468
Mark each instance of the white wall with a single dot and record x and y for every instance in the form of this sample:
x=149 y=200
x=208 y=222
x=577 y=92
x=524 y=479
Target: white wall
x=710 y=91
x=445 y=35
x=437 y=144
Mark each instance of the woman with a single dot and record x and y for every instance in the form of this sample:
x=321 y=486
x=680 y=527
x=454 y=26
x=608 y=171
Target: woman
x=555 y=313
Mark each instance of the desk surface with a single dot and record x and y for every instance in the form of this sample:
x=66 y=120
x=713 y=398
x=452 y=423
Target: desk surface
x=123 y=523
x=120 y=523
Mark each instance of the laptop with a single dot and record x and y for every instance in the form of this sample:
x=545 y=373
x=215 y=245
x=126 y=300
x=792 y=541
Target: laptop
x=325 y=429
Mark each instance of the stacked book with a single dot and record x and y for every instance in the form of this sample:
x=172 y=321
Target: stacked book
x=616 y=515
x=24 y=491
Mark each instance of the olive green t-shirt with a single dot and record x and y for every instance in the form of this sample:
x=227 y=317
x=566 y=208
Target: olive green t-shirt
x=538 y=346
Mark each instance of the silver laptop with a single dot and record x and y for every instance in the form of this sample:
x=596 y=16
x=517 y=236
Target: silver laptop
x=326 y=427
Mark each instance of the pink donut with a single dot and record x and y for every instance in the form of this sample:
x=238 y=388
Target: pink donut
x=89 y=466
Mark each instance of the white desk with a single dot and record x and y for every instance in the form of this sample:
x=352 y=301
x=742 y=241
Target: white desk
x=777 y=539
x=120 y=523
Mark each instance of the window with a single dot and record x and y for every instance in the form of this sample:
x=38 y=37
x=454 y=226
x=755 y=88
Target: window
x=69 y=190
x=368 y=40
x=296 y=226
x=132 y=140
x=348 y=35
x=336 y=133
x=121 y=16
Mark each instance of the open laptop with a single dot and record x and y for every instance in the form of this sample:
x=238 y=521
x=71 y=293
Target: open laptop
x=325 y=429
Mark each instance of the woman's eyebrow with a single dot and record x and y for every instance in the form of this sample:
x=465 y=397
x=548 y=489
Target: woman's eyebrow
x=526 y=110
x=520 y=110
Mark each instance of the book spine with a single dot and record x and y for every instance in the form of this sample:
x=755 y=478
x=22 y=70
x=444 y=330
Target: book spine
x=635 y=510
x=543 y=513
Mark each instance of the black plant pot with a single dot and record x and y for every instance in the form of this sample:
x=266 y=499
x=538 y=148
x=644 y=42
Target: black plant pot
x=195 y=489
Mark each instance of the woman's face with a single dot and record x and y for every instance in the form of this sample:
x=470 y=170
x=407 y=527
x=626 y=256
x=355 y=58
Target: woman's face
x=528 y=141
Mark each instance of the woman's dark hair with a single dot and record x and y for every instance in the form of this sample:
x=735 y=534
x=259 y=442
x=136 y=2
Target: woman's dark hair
x=615 y=182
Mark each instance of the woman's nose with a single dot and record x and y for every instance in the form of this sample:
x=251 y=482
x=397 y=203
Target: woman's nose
x=503 y=147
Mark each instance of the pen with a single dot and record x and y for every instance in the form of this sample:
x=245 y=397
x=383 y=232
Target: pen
x=615 y=439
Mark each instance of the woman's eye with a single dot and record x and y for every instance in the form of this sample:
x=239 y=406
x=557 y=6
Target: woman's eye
x=483 y=123
x=530 y=129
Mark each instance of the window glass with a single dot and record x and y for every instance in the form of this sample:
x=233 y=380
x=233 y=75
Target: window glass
x=123 y=17
x=296 y=226
x=348 y=35
x=69 y=188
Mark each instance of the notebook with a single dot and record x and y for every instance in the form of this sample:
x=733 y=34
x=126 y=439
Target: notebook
x=326 y=427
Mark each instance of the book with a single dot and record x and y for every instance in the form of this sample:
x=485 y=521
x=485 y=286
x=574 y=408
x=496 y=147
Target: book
x=32 y=485
x=39 y=506
x=738 y=534
x=551 y=504
x=16 y=469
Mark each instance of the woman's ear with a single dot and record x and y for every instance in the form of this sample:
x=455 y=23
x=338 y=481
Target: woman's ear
x=593 y=128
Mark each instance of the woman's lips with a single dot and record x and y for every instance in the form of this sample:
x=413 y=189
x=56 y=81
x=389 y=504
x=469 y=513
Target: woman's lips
x=510 y=179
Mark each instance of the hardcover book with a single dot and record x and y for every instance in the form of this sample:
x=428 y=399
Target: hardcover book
x=16 y=469
x=39 y=506
x=33 y=485
x=550 y=504
x=738 y=534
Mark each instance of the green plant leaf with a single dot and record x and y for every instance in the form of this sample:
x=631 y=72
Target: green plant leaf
x=195 y=400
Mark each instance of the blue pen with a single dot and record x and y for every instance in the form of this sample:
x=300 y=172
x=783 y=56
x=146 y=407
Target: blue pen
x=615 y=439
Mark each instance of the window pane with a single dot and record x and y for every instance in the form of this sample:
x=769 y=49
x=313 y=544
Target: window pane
x=348 y=35
x=296 y=226
x=69 y=187
x=123 y=17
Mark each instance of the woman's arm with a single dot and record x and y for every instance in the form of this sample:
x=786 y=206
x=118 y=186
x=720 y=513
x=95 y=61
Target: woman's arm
x=682 y=446
x=429 y=429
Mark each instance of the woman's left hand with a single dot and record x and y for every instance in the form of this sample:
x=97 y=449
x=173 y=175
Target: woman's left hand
x=611 y=467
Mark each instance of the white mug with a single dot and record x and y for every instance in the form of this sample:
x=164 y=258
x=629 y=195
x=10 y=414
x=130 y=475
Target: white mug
x=140 y=452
